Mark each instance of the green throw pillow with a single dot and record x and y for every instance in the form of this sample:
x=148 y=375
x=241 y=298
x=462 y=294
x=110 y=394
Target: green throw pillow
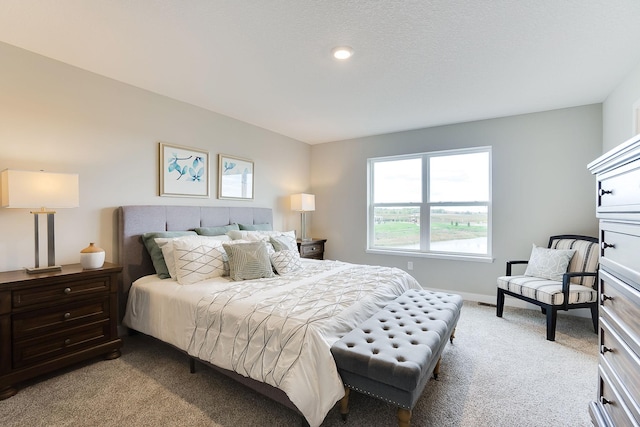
x=216 y=231
x=156 y=253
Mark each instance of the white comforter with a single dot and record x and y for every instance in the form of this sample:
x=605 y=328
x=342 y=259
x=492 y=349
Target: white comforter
x=278 y=330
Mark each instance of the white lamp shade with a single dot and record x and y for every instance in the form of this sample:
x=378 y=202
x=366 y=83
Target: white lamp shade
x=32 y=190
x=303 y=202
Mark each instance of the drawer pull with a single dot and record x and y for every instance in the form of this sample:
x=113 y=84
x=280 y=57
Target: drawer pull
x=605 y=401
x=67 y=291
x=604 y=349
x=605 y=297
x=606 y=245
x=67 y=315
x=67 y=341
x=603 y=192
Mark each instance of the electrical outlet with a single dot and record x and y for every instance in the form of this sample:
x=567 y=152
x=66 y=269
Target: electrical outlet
x=410 y=265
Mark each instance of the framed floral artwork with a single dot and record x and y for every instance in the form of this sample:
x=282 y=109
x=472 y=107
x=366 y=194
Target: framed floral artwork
x=184 y=171
x=235 y=178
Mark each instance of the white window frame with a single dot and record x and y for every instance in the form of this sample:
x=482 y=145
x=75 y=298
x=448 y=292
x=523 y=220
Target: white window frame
x=425 y=208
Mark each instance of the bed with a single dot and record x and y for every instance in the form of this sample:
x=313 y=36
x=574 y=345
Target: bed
x=273 y=333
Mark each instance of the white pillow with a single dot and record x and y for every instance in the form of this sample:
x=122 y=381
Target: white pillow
x=255 y=236
x=197 y=260
x=549 y=263
x=286 y=261
x=166 y=245
x=284 y=242
x=248 y=260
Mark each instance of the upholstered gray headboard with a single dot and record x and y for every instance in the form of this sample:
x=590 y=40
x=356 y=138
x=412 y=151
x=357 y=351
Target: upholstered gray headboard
x=133 y=221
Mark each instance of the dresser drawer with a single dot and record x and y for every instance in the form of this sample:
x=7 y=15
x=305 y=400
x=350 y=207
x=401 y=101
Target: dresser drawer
x=621 y=359
x=59 y=292
x=618 y=189
x=612 y=401
x=620 y=247
x=620 y=306
x=33 y=350
x=64 y=316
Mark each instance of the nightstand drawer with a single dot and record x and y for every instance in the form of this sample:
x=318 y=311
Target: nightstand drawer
x=310 y=251
x=41 y=348
x=69 y=315
x=59 y=292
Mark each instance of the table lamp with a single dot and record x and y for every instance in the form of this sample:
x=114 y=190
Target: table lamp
x=303 y=203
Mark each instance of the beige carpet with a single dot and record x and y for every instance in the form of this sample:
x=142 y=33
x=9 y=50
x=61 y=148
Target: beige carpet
x=498 y=372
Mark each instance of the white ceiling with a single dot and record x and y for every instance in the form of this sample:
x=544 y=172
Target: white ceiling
x=416 y=64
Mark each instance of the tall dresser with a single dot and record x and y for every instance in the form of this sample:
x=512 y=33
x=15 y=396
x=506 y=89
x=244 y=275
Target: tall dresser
x=618 y=209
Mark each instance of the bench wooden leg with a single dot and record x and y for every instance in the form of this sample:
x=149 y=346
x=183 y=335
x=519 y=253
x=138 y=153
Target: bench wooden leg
x=404 y=417
x=453 y=335
x=344 y=404
x=436 y=370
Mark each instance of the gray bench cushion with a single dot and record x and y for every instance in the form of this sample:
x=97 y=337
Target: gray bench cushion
x=398 y=346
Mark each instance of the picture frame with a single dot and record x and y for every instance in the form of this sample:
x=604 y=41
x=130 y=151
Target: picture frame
x=235 y=178
x=184 y=171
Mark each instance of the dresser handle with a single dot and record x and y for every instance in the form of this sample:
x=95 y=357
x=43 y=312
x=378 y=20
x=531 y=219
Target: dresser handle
x=604 y=349
x=605 y=401
x=603 y=192
x=606 y=245
x=67 y=291
x=605 y=297
x=67 y=315
x=67 y=341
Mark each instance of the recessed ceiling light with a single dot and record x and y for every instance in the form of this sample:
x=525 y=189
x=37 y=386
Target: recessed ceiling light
x=342 y=52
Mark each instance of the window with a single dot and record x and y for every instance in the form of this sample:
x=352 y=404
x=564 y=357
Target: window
x=436 y=203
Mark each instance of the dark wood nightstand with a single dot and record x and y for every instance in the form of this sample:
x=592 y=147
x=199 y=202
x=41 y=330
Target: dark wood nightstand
x=55 y=319
x=313 y=248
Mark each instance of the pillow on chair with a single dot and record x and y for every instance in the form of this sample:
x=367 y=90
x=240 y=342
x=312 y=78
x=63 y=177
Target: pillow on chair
x=549 y=263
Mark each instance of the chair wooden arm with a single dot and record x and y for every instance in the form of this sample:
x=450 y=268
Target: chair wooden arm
x=566 y=278
x=510 y=263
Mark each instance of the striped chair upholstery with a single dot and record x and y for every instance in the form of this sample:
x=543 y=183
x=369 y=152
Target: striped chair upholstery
x=576 y=290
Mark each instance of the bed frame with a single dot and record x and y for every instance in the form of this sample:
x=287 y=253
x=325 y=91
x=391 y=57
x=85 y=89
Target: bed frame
x=133 y=221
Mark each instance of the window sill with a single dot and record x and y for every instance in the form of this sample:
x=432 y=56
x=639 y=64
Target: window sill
x=435 y=255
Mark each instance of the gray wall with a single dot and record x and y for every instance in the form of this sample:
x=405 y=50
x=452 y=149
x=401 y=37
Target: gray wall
x=62 y=119
x=541 y=187
x=617 y=111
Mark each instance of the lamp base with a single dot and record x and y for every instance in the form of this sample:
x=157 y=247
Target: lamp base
x=35 y=270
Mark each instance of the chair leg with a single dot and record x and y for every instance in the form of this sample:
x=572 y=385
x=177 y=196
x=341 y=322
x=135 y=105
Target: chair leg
x=594 y=317
x=500 y=303
x=552 y=315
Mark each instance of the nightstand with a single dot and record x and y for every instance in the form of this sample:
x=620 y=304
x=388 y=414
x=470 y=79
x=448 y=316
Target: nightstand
x=313 y=248
x=55 y=319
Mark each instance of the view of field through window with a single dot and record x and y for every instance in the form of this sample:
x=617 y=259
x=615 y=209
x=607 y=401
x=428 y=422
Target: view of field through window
x=457 y=214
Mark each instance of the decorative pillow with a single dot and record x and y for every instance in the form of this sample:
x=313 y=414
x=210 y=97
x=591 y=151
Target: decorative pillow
x=225 y=257
x=216 y=231
x=156 y=253
x=258 y=235
x=286 y=261
x=248 y=260
x=548 y=263
x=283 y=242
x=197 y=259
x=256 y=227
x=166 y=245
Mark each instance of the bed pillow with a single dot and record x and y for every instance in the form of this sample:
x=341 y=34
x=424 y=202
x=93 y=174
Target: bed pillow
x=197 y=259
x=248 y=260
x=286 y=261
x=257 y=235
x=156 y=253
x=549 y=263
x=283 y=242
x=256 y=227
x=216 y=231
x=166 y=245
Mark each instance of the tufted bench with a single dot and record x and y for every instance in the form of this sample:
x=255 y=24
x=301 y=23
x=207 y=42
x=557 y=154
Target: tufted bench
x=391 y=355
